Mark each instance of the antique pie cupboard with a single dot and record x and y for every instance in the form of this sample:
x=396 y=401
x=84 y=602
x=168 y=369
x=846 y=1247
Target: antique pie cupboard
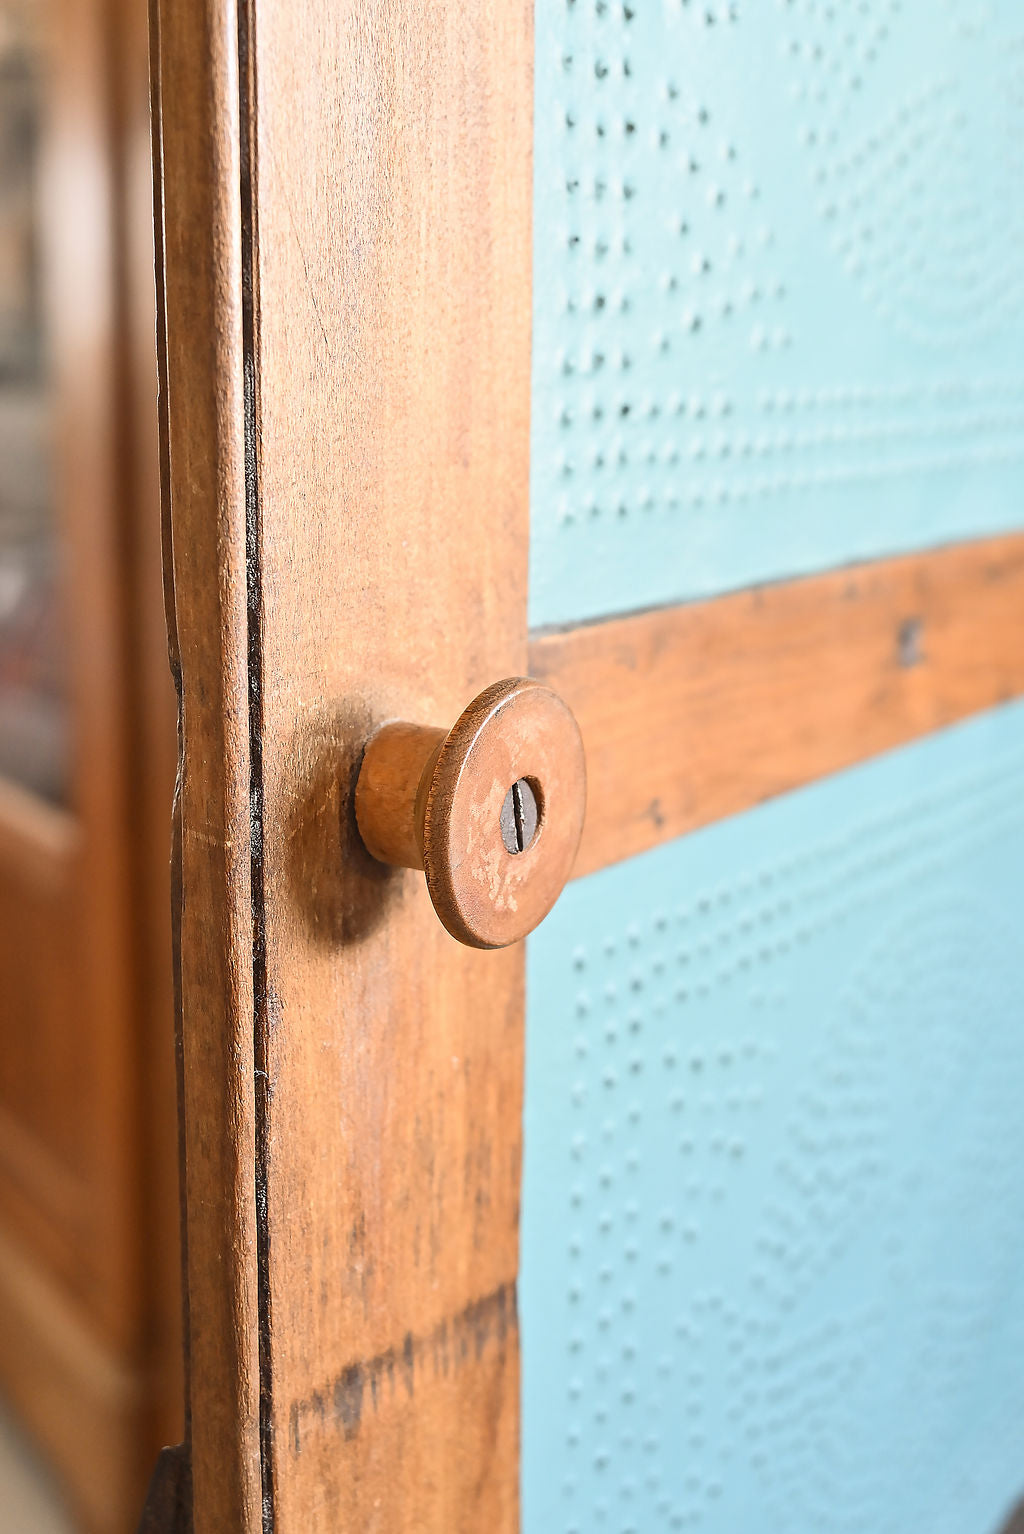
x=594 y=454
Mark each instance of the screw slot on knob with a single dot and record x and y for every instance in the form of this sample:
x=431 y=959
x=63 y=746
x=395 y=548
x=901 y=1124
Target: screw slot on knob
x=519 y=817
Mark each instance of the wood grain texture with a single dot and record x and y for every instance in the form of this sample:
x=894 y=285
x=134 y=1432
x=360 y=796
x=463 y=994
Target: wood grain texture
x=199 y=245
x=693 y=713
x=391 y=188
x=352 y=1075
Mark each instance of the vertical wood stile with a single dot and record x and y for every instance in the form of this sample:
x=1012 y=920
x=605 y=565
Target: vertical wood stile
x=347 y=207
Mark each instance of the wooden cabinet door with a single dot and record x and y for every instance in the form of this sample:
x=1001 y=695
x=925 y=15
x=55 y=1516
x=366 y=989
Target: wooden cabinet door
x=751 y=506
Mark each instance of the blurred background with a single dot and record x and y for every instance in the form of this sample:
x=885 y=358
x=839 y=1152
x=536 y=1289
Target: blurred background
x=90 y=1365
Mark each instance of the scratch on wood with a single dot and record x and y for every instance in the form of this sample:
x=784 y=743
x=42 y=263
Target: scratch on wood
x=485 y=1323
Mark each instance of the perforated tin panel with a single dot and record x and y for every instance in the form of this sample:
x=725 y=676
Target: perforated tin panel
x=773 y=1229
x=778 y=317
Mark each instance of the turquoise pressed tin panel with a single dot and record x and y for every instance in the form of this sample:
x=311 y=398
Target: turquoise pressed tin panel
x=773 y=1205
x=773 y=1210
x=778 y=289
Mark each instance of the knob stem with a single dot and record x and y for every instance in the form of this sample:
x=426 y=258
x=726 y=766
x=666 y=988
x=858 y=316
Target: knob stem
x=391 y=792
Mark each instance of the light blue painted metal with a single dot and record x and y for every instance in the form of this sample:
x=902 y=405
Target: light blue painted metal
x=778 y=289
x=773 y=1228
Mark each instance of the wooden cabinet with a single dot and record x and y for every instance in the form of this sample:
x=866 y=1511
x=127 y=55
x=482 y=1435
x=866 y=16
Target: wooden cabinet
x=89 y=1335
x=574 y=350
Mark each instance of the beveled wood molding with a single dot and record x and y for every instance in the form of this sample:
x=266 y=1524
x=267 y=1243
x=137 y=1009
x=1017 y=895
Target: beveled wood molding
x=696 y=712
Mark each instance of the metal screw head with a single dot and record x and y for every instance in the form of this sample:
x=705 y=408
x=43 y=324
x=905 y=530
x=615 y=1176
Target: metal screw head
x=520 y=814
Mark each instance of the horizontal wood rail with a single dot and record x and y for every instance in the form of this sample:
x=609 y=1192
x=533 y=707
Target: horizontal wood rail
x=695 y=712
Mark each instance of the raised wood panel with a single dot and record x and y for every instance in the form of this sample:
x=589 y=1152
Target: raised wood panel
x=696 y=712
x=37 y=840
x=69 y=1035
x=45 y=1057
x=82 y=1402
x=88 y=1207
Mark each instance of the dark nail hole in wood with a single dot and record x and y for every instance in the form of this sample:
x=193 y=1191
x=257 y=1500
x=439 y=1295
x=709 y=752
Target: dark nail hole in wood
x=911 y=652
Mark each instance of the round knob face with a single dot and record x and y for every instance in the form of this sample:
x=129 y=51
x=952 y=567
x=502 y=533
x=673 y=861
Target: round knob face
x=504 y=813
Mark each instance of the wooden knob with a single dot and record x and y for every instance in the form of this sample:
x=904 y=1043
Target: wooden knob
x=491 y=810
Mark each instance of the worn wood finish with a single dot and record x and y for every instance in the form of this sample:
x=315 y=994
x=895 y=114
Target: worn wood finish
x=443 y=801
x=391 y=357
x=195 y=63
x=353 y=1076
x=696 y=712
x=515 y=732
